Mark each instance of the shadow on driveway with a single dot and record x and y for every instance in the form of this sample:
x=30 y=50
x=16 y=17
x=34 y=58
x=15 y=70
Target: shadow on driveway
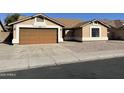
x=99 y=69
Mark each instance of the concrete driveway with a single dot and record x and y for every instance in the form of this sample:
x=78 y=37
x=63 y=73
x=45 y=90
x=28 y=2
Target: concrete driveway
x=19 y=57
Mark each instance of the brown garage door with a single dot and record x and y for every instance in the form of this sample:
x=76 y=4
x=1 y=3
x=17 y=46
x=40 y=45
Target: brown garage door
x=37 y=36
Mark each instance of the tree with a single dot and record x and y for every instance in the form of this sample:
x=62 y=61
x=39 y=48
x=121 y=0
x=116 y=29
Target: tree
x=11 y=18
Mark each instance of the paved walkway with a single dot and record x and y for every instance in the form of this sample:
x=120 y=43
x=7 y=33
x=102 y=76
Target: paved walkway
x=19 y=57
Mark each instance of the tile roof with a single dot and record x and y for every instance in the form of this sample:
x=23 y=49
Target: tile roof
x=74 y=23
x=69 y=22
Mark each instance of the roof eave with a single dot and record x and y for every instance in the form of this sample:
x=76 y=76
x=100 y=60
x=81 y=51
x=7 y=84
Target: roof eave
x=40 y=14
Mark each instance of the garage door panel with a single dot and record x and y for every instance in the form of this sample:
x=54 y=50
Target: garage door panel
x=37 y=36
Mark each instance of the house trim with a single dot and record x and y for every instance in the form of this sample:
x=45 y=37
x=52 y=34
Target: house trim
x=91 y=27
x=94 y=39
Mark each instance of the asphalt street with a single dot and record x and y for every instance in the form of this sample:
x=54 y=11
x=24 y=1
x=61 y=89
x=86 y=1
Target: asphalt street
x=98 y=69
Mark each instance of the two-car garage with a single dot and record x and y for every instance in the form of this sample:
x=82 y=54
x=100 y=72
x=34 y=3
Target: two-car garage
x=37 y=29
x=38 y=35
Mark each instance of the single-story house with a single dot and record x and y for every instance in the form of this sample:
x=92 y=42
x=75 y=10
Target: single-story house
x=41 y=29
x=116 y=30
x=37 y=29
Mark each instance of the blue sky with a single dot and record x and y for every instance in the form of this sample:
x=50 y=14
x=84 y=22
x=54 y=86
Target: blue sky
x=81 y=16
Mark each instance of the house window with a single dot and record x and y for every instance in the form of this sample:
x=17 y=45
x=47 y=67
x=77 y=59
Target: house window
x=39 y=19
x=95 y=32
x=95 y=23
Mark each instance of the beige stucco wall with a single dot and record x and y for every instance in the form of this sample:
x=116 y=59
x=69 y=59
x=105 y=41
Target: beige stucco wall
x=86 y=32
x=27 y=22
x=14 y=31
x=31 y=22
x=50 y=23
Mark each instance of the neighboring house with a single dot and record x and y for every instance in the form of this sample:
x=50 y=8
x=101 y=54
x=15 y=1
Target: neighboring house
x=37 y=29
x=3 y=34
x=116 y=30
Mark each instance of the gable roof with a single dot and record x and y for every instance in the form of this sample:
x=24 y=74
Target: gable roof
x=2 y=26
x=69 y=22
x=40 y=14
x=88 y=22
